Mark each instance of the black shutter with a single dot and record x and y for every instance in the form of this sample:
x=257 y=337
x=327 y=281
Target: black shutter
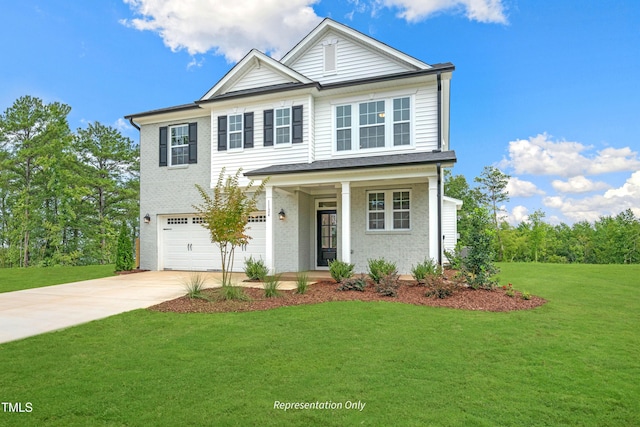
x=268 y=128
x=248 y=130
x=163 y=146
x=222 y=133
x=193 y=143
x=296 y=112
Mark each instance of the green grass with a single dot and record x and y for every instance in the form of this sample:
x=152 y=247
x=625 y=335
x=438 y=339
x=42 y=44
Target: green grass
x=16 y=279
x=573 y=361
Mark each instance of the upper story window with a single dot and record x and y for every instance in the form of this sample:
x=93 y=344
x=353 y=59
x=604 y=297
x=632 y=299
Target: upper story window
x=380 y=124
x=235 y=131
x=283 y=125
x=178 y=144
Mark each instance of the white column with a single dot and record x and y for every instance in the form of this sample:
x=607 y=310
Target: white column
x=433 y=218
x=346 y=222
x=269 y=229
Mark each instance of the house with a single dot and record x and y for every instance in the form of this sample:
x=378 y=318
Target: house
x=353 y=135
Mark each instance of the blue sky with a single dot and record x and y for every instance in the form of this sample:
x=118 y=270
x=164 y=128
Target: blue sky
x=546 y=90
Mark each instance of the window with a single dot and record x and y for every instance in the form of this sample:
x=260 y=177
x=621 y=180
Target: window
x=380 y=124
x=401 y=121
x=235 y=131
x=179 y=145
x=395 y=215
x=343 y=127
x=283 y=126
x=372 y=119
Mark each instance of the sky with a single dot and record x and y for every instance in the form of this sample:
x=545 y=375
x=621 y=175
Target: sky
x=547 y=91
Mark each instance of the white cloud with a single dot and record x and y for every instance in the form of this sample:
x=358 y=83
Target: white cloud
x=578 y=184
x=518 y=214
x=612 y=202
x=489 y=11
x=540 y=155
x=520 y=188
x=228 y=28
x=122 y=125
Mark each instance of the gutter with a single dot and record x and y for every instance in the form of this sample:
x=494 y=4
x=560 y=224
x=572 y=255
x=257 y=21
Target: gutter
x=134 y=124
x=440 y=236
x=439 y=78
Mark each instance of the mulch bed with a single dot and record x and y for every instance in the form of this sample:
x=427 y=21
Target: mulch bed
x=409 y=293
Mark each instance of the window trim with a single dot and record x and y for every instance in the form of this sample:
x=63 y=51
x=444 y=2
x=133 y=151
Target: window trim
x=240 y=131
x=171 y=146
x=388 y=211
x=288 y=126
x=388 y=124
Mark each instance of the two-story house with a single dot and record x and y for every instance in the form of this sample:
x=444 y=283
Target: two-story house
x=353 y=135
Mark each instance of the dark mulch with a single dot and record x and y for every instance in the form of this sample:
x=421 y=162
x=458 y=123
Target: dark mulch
x=409 y=293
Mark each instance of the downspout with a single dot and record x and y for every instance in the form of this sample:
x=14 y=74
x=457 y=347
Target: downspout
x=439 y=169
x=134 y=124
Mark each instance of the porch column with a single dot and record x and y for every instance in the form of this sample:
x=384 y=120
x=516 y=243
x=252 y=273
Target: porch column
x=269 y=229
x=346 y=221
x=433 y=218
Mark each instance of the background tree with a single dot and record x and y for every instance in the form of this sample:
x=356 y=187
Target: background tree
x=456 y=186
x=226 y=216
x=492 y=185
x=124 y=256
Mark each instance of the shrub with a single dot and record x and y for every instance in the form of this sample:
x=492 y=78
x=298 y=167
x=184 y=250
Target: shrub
x=425 y=269
x=477 y=267
x=340 y=270
x=388 y=285
x=526 y=295
x=230 y=292
x=255 y=270
x=302 y=283
x=271 y=285
x=508 y=290
x=194 y=286
x=380 y=267
x=124 y=254
x=441 y=288
x=353 y=284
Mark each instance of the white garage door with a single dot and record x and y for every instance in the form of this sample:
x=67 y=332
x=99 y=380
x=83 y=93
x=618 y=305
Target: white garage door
x=186 y=245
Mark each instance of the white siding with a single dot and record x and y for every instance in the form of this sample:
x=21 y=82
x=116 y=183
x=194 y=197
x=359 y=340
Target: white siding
x=354 y=61
x=449 y=224
x=259 y=156
x=425 y=114
x=258 y=77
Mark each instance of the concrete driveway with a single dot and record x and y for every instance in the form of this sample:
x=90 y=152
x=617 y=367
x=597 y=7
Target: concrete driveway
x=35 y=311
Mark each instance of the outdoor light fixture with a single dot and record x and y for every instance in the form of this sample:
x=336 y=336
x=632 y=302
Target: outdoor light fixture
x=147 y=219
x=281 y=215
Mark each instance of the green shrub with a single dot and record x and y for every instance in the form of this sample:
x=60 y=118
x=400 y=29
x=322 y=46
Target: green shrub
x=379 y=268
x=230 y=292
x=424 y=270
x=340 y=270
x=526 y=295
x=388 y=285
x=271 y=285
x=353 y=284
x=194 y=286
x=477 y=267
x=302 y=283
x=124 y=254
x=255 y=270
x=509 y=291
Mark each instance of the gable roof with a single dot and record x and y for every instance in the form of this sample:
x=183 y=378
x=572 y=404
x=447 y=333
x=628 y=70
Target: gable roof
x=329 y=24
x=253 y=59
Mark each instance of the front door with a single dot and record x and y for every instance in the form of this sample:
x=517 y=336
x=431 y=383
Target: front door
x=327 y=223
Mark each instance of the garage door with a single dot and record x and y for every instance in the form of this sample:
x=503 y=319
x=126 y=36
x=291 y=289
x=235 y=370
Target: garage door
x=186 y=244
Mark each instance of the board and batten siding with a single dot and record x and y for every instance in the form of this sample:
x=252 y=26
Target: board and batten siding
x=259 y=156
x=258 y=77
x=354 y=61
x=425 y=113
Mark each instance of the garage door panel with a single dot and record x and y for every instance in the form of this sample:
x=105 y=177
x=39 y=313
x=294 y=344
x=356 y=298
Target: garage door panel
x=186 y=244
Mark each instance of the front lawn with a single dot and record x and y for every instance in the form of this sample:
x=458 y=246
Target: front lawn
x=16 y=279
x=573 y=361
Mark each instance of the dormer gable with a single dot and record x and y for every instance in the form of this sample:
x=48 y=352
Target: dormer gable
x=255 y=70
x=333 y=52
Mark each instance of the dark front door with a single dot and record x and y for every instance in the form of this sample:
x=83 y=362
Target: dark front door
x=327 y=236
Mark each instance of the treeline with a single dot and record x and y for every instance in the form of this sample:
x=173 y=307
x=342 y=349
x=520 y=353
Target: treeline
x=63 y=196
x=609 y=240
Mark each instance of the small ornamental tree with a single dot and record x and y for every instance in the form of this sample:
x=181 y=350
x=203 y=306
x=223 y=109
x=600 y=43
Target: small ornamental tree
x=124 y=254
x=226 y=215
x=477 y=267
